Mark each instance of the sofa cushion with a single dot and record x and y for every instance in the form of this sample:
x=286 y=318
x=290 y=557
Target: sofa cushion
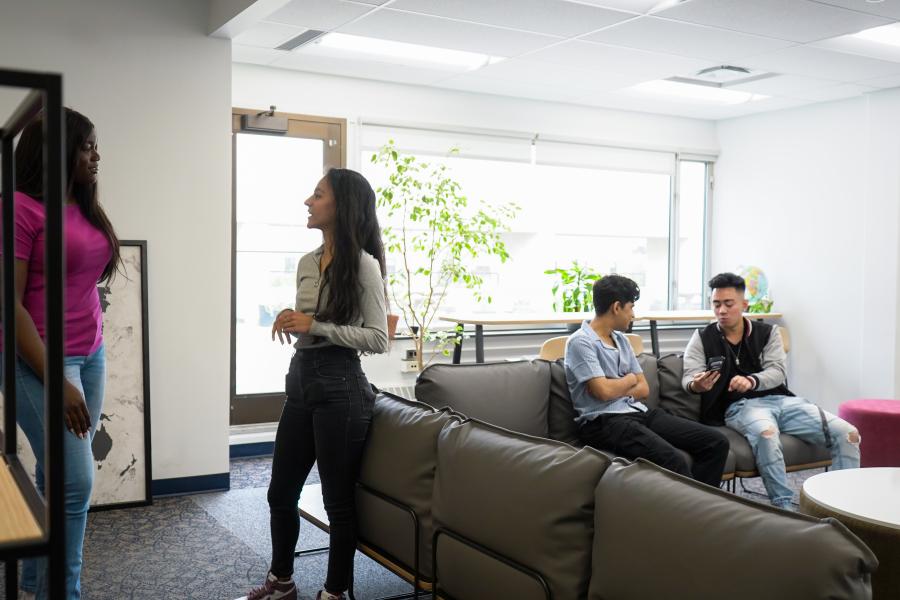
x=660 y=535
x=744 y=462
x=513 y=395
x=561 y=412
x=528 y=499
x=399 y=461
x=672 y=396
x=797 y=453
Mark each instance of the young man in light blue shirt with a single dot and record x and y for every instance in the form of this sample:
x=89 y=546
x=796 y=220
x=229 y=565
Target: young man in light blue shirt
x=607 y=383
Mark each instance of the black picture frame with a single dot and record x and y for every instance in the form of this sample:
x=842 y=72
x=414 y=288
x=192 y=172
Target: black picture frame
x=125 y=482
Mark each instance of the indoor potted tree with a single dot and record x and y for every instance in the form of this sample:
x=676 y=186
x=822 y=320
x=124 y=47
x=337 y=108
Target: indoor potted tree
x=434 y=234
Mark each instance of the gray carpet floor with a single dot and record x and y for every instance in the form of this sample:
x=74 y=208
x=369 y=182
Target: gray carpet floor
x=216 y=546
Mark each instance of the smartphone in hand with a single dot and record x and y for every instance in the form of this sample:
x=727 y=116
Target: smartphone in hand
x=715 y=363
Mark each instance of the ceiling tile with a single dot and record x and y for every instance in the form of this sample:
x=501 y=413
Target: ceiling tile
x=362 y=69
x=889 y=9
x=751 y=108
x=255 y=55
x=638 y=64
x=835 y=92
x=267 y=35
x=444 y=33
x=615 y=100
x=823 y=64
x=628 y=101
x=890 y=81
x=795 y=20
x=522 y=71
x=686 y=39
x=783 y=85
x=554 y=17
x=318 y=14
x=370 y=2
x=532 y=91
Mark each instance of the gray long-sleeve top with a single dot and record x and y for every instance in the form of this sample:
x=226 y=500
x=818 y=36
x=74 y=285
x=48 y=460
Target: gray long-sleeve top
x=368 y=332
x=773 y=374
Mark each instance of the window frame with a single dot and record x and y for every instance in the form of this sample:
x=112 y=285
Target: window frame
x=709 y=162
x=265 y=407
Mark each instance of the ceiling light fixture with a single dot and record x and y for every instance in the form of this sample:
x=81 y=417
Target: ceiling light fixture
x=884 y=34
x=406 y=53
x=702 y=93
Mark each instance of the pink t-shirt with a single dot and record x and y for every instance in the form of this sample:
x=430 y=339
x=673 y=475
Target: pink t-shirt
x=87 y=253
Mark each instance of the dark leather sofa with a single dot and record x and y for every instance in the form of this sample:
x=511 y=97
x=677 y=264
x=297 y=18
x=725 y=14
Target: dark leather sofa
x=472 y=510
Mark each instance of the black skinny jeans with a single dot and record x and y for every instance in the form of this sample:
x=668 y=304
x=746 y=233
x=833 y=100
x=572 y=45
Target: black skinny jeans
x=326 y=418
x=655 y=435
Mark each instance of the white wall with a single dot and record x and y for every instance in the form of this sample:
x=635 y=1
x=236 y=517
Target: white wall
x=158 y=90
x=354 y=99
x=810 y=195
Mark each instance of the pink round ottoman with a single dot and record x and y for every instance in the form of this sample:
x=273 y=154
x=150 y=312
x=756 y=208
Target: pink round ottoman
x=878 y=422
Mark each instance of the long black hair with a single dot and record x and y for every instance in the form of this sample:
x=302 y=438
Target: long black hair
x=355 y=228
x=30 y=176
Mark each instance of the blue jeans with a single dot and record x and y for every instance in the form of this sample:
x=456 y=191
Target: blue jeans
x=760 y=420
x=88 y=374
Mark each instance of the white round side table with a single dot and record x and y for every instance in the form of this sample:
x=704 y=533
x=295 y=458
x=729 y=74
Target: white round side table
x=867 y=501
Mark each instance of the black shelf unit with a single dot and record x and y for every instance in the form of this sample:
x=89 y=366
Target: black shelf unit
x=44 y=96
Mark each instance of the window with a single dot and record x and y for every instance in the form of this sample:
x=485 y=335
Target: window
x=609 y=208
x=690 y=282
x=273 y=175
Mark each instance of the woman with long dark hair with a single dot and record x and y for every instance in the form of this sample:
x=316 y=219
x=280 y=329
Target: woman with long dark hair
x=91 y=255
x=339 y=313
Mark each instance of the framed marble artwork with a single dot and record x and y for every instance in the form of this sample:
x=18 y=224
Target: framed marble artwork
x=121 y=444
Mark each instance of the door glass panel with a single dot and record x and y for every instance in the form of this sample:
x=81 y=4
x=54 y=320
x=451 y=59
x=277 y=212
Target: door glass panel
x=274 y=175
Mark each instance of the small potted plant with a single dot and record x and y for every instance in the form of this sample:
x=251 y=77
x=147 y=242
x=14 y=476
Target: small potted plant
x=573 y=288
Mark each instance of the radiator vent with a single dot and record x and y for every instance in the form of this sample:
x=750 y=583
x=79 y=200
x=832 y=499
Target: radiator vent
x=404 y=391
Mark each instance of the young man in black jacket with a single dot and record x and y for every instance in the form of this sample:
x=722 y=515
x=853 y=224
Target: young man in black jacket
x=749 y=392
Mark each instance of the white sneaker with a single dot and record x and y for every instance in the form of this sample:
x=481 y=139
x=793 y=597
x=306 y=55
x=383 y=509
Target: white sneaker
x=26 y=595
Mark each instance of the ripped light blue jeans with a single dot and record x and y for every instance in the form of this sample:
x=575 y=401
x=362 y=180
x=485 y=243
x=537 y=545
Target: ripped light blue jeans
x=760 y=420
x=88 y=374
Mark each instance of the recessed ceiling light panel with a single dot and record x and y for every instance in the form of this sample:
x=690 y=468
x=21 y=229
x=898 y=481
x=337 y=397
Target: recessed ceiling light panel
x=402 y=52
x=885 y=34
x=698 y=93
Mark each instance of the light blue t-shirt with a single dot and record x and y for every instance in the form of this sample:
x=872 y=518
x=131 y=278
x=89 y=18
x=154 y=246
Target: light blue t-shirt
x=588 y=357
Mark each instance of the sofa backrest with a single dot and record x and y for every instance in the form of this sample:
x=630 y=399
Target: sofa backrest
x=561 y=413
x=672 y=396
x=399 y=462
x=648 y=365
x=525 y=498
x=513 y=394
x=656 y=532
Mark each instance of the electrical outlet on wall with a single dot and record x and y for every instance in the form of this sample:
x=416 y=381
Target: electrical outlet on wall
x=409 y=366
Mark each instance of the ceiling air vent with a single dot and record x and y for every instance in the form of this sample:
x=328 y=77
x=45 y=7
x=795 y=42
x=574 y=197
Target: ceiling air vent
x=723 y=76
x=300 y=40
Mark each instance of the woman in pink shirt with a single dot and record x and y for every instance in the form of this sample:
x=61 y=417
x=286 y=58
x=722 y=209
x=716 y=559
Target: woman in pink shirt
x=91 y=256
